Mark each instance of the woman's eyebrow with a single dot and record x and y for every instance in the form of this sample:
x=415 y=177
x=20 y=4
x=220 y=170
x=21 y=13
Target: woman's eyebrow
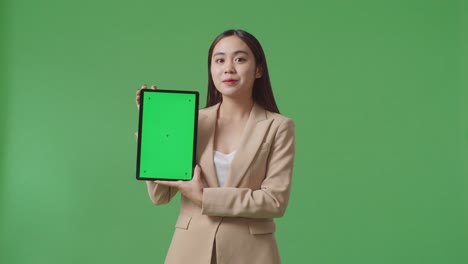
x=241 y=51
x=235 y=53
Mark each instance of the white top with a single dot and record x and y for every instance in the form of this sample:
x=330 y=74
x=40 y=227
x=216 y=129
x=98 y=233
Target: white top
x=222 y=164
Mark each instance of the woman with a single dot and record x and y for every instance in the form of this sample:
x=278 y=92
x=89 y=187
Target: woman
x=245 y=154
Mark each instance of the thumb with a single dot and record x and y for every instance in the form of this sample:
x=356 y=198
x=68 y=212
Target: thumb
x=197 y=175
x=197 y=172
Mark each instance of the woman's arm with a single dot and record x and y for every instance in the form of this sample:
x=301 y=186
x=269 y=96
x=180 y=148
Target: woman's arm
x=272 y=198
x=160 y=194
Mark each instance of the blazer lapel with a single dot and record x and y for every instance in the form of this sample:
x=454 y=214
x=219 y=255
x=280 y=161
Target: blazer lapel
x=251 y=140
x=205 y=149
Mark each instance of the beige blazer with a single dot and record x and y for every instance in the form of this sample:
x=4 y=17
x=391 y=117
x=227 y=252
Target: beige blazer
x=237 y=218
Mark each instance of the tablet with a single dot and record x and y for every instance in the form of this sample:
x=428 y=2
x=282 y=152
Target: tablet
x=167 y=135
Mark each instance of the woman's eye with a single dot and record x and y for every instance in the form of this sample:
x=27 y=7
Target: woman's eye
x=240 y=59
x=219 y=60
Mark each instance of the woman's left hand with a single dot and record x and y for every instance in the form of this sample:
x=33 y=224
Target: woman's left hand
x=192 y=189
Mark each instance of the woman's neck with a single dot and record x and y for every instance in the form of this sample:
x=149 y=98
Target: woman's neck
x=235 y=109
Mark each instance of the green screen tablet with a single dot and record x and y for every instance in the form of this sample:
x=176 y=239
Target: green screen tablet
x=167 y=135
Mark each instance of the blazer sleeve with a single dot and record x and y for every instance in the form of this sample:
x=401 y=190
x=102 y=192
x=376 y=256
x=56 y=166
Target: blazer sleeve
x=160 y=194
x=272 y=198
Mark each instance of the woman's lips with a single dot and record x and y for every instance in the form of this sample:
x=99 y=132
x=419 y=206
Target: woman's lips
x=230 y=81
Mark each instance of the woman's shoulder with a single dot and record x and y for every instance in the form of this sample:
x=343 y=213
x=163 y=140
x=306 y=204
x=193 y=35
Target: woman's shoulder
x=258 y=112
x=278 y=118
x=207 y=111
x=278 y=122
x=281 y=125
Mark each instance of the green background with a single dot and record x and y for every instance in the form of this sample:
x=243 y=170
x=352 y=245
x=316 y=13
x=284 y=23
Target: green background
x=378 y=91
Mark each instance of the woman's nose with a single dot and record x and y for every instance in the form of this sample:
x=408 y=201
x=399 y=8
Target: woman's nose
x=229 y=67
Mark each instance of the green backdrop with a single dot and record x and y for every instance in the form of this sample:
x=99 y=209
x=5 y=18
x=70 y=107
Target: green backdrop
x=378 y=91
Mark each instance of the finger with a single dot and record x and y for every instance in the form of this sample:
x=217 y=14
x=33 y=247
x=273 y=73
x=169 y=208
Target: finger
x=168 y=183
x=196 y=172
x=138 y=92
x=136 y=135
x=154 y=87
x=144 y=86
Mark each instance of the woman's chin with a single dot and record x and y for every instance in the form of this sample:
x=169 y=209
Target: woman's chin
x=233 y=91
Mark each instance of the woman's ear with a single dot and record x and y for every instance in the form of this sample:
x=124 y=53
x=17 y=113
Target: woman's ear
x=258 y=72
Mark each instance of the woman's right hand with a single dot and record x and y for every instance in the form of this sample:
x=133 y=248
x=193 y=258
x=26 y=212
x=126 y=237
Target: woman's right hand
x=138 y=93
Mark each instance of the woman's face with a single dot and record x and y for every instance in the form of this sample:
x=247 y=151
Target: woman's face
x=233 y=68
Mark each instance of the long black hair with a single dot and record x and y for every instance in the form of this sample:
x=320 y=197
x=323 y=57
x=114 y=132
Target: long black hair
x=262 y=93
